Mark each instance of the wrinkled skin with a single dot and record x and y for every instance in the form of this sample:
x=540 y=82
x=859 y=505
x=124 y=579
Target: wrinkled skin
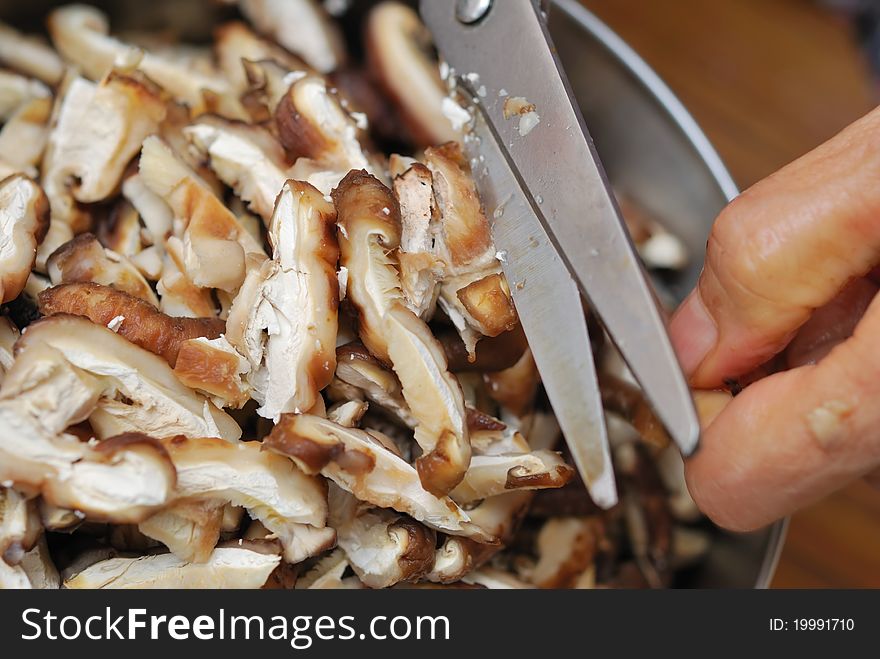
x=790 y=263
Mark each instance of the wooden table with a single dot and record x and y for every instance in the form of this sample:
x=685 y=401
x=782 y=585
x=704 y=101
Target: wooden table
x=768 y=80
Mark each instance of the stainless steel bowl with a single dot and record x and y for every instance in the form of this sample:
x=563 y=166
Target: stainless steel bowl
x=651 y=147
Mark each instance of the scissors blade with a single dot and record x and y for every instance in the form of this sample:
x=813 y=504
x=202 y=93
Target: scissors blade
x=549 y=306
x=508 y=64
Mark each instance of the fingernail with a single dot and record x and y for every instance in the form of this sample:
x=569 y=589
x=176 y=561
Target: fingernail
x=693 y=333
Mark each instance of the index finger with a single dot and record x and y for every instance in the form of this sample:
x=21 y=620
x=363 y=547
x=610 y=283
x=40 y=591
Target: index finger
x=780 y=250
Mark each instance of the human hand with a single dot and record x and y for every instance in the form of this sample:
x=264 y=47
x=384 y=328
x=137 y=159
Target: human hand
x=788 y=283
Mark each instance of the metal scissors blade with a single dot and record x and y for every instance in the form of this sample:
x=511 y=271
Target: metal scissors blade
x=548 y=302
x=504 y=57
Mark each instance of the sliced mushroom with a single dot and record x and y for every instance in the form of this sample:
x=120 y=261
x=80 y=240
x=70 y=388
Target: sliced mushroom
x=566 y=547
x=359 y=464
x=245 y=157
x=153 y=211
x=215 y=244
x=99 y=129
x=399 y=54
x=84 y=259
x=420 y=269
x=328 y=573
x=383 y=547
x=13 y=577
x=20 y=526
x=515 y=388
x=289 y=504
x=235 y=42
x=318 y=132
x=493 y=578
x=215 y=368
x=122 y=479
x=457 y=557
x=80 y=33
x=626 y=399
x=128 y=316
x=356 y=367
x=24 y=135
x=178 y=295
x=29 y=55
x=369 y=227
x=137 y=390
x=302 y=27
x=490 y=475
x=268 y=82
x=17 y=91
x=8 y=336
x=39 y=568
x=473 y=294
x=348 y=414
x=190 y=529
x=24 y=219
x=227 y=568
x=285 y=322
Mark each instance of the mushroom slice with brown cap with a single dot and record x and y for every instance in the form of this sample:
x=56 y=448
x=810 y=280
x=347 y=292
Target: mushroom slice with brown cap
x=473 y=294
x=29 y=55
x=227 y=568
x=490 y=475
x=235 y=42
x=138 y=390
x=20 y=526
x=349 y=413
x=80 y=33
x=268 y=82
x=369 y=229
x=515 y=388
x=84 y=259
x=24 y=219
x=300 y=26
x=121 y=230
x=327 y=574
x=190 y=529
x=356 y=367
x=359 y=464
x=269 y=486
x=215 y=244
x=215 y=368
x=128 y=316
x=383 y=547
x=120 y=480
x=320 y=134
x=247 y=158
x=295 y=305
x=420 y=269
x=399 y=54
x=566 y=547
x=456 y=557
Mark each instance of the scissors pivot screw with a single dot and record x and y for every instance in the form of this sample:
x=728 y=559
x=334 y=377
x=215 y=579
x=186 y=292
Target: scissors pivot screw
x=471 y=11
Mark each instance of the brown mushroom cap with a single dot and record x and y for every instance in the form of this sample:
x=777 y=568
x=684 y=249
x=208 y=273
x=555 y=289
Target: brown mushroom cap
x=139 y=322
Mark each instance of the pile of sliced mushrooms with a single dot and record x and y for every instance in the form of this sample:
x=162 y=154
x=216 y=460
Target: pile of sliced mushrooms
x=243 y=346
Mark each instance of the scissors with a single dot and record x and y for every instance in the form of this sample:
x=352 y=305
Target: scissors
x=556 y=222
